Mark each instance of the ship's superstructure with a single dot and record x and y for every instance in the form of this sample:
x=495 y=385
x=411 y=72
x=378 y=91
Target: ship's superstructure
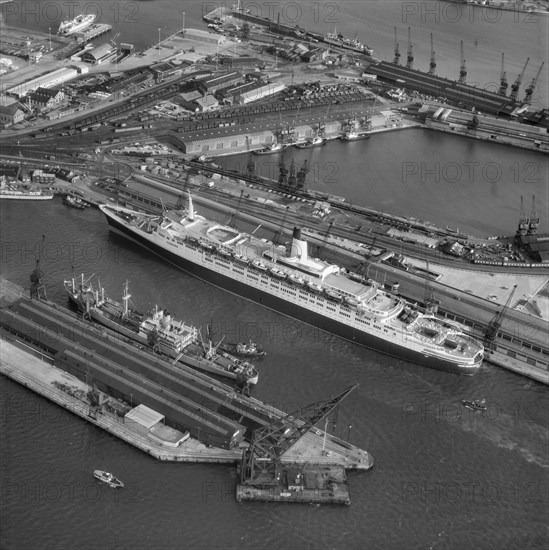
x=290 y=281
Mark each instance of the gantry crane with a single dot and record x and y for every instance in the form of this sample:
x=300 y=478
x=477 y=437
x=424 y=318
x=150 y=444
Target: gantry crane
x=410 y=55
x=516 y=84
x=531 y=88
x=432 y=62
x=463 y=67
x=261 y=461
x=396 y=60
x=503 y=84
x=495 y=324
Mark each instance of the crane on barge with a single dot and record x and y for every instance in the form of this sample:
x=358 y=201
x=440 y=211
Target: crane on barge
x=261 y=461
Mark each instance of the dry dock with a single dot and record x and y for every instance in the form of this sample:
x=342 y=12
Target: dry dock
x=41 y=342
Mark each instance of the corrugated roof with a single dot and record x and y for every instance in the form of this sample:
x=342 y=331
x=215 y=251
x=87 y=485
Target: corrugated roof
x=144 y=416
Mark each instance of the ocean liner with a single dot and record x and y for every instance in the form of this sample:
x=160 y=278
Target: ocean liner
x=289 y=281
x=159 y=331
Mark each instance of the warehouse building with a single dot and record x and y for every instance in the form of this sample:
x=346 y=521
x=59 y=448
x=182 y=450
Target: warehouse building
x=49 y=80
x=11 y=114
x=99 y=54
x=46 y=98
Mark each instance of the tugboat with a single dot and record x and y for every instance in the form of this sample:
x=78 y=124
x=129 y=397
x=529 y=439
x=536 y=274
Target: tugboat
x=476 y=404
x=108 y=478
x=251 y=349
x=276 y=148
x=315 y=142
x=74 y=202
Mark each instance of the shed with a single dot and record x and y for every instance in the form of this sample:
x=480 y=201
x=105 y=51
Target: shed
x=143 y=418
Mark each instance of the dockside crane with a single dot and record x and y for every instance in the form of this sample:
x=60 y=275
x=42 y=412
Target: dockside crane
x=531 y=88
x=261 y=461
x=302 y=175
x=516 y=84
x=396 y=60
x=503 y=84
x=234 y=218
x=495 y=324
x=251 y=168
x=278 y=233
x=409 y=55
x=462 y=68
x=432 y=62
x=37 y=286
x=524 y=222
x=534 y=219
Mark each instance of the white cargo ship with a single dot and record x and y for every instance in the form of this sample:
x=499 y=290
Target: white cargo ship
x=79 y=23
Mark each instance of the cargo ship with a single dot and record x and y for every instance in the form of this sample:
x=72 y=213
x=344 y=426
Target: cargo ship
x=339 y=40
x=289 y=281
x=79 y=23
x=158 y=331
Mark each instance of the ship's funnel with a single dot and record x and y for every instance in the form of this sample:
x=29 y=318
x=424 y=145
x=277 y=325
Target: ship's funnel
x=166 y=319
x=299 y=246
x=191 y=209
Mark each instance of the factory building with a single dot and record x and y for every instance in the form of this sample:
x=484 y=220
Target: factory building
x=213 y=84
x=206 y=103
x=46 y=98
x=260 y=92
x=245 y=61
x=49 y=80
x=40 y=176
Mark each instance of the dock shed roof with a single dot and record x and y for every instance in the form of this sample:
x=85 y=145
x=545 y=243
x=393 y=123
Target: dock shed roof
x=144 y=416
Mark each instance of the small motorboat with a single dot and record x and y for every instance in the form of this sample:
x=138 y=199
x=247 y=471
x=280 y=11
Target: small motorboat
x=107 y=478
x=476 y=404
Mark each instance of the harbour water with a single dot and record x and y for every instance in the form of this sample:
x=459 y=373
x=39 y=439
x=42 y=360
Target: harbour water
x=447 y=180
x=444 y=476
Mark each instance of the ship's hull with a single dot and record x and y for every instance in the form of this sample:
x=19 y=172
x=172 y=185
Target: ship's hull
x=194 y=361
x=426 y=357
x=355 y=138
x=26 y=197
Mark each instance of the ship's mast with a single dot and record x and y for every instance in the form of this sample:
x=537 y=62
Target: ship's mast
x=125 y=299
